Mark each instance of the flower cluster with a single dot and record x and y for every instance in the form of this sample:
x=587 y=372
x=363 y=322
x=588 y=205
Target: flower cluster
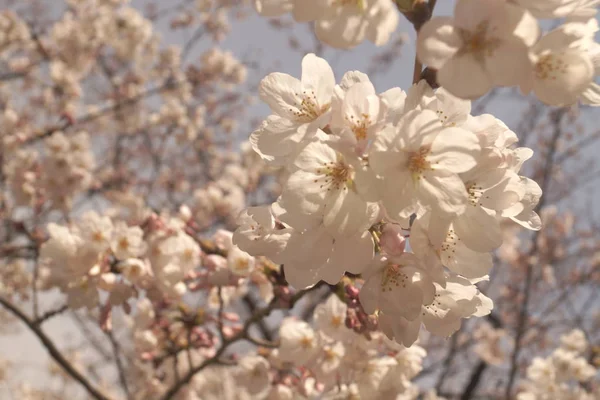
x=343 y=363
x=406 y=190
x=561 y=375
x=95 y=253
x=491 y=43
x=339 y=23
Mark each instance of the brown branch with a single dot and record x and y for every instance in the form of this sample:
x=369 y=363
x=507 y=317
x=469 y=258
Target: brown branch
x=243 y=334
x=54 y=352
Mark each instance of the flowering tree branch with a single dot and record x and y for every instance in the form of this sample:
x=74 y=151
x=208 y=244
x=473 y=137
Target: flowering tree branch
x=54 y=352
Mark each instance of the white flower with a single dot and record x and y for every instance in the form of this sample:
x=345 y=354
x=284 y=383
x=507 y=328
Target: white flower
x=484 y=45
x=327 y=365
x=451 y=251
x=419 y=161
x=490 y=192
x=240 y=262
x=574 y=341
x=254 y=374
x=300 y=107
x=523 y=212
x=95 y=230
x=330 y=318
x=361 y=115
x=328 y=183
x=563 y=68
x=299 y=342
x=315 y=255
x=397 y=286
x=257 y=233
x=127 y=242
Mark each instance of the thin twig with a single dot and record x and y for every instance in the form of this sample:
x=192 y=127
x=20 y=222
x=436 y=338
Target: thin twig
x=119 y=363
x=54 y=352
x=243 y=334
x=49 y=314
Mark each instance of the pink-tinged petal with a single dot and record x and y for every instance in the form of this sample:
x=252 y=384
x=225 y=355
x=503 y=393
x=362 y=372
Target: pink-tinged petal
x=280 y=91
x=443 y=191
x=437 y=42
x=318 y=76
x=465 y=76
x=455 y=150
x=479 y=229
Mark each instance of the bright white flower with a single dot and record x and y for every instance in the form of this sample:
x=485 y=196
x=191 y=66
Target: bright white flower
x=451 y=110
x=240 y=262
x=419 y=161
x=253 y=374
x=484 y=45
x=371 y=375
x=490 y=192
x=563 y=68
x=127 y=242
x=95 y=230
x=451 y=252
x=315 y=255
x=574 y=341
x=300 y=107
x=330 y=318
x=327 y=365
x=398 y=286
x=299 y=342
x=328 y=183
x=257 y=233
x=523 y=212
x=361 y=115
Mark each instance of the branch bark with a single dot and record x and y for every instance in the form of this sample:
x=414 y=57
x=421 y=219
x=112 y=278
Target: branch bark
x=54 y=351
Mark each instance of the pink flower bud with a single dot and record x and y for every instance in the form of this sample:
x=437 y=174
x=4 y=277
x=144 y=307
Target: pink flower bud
x=392 y=242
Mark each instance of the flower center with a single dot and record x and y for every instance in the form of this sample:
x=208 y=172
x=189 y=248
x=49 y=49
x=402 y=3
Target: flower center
x=550 y=66
x=306 y=342
x=360 y=125
x=308 y=108
x=418 y=162
x=475 y=193
x=393 y=277
x=337 y=175
x=479 y=42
